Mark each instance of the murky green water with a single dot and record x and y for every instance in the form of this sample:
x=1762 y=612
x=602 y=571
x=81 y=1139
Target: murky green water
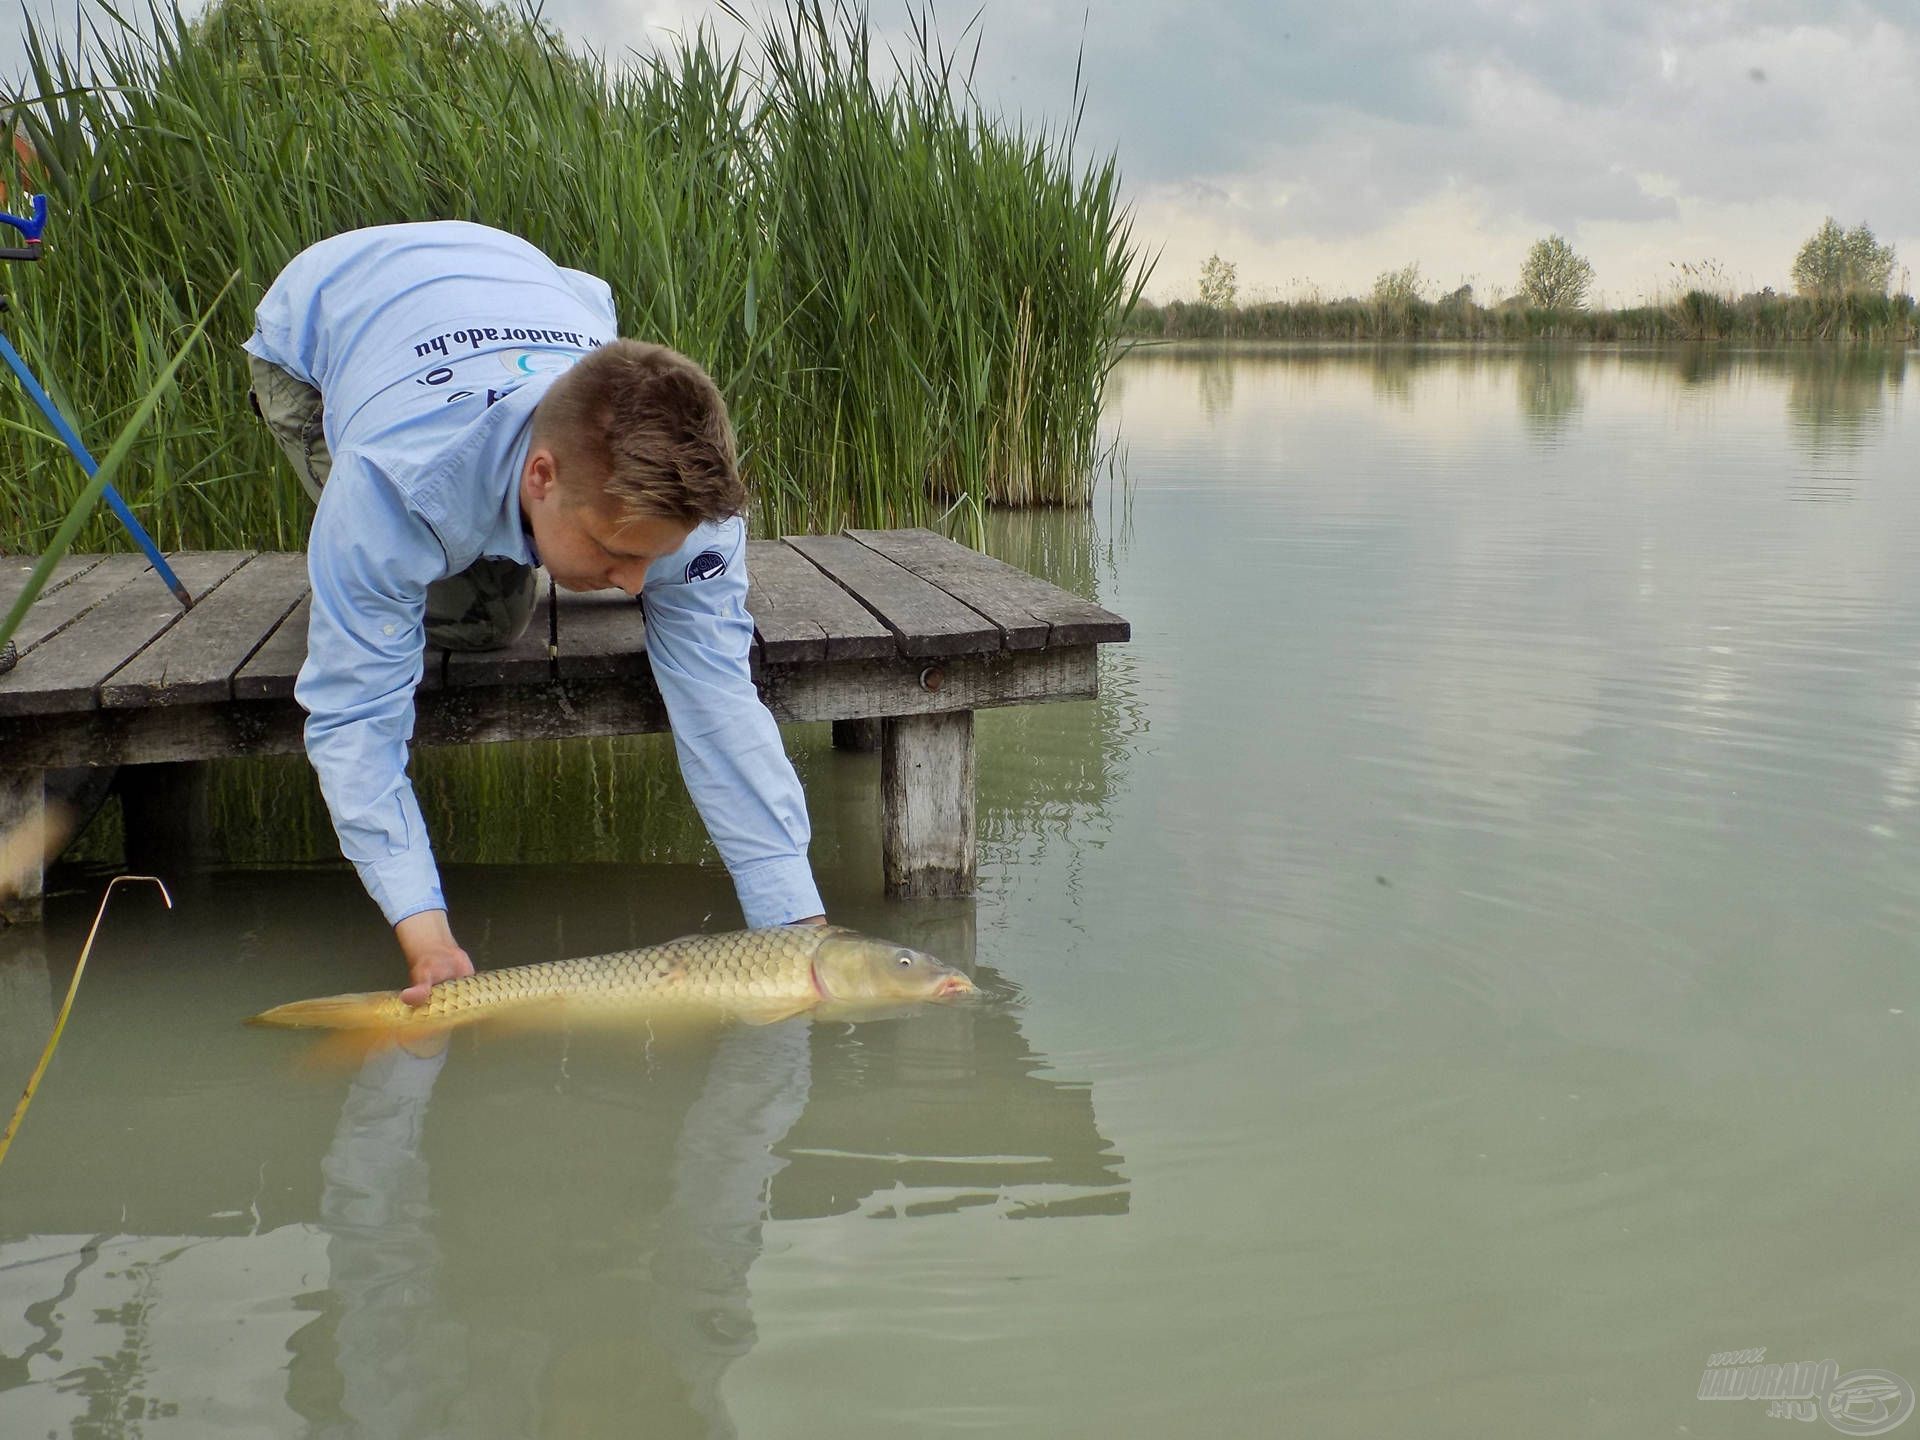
x=1458 y=977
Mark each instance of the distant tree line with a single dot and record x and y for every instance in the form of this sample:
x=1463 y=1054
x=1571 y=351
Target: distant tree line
x=1841 y=282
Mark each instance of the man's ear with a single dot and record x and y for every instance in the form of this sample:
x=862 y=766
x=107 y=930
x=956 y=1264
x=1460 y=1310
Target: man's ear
x=540 y=476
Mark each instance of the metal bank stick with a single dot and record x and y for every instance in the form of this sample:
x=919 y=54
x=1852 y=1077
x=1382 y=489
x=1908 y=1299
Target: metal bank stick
x=30 y=229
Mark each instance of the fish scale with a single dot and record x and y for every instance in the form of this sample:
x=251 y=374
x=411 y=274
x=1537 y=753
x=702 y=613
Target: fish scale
x=757 y=975
x=697 y=969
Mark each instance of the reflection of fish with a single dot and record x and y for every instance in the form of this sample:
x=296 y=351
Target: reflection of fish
x=758 y=975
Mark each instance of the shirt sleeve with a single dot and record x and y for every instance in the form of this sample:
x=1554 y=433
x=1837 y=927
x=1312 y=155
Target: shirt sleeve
x=698 y=640
x=370 y=559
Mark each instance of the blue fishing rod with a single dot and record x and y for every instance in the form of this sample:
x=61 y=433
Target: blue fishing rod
x=31 y=228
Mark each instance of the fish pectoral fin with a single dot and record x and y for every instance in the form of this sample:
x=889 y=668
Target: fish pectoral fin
x=772 y=1012
x=425 y=1043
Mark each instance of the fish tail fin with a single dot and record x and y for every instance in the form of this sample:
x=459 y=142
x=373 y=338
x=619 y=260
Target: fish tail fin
x=366 y=1010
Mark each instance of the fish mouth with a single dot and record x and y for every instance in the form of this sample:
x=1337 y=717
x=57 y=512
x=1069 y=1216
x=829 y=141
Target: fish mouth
x=955 y=984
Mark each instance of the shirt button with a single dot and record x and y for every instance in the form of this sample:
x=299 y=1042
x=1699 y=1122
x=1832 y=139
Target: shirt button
x=387 y=629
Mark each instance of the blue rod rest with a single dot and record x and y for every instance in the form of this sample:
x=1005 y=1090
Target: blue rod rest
x=29 y=226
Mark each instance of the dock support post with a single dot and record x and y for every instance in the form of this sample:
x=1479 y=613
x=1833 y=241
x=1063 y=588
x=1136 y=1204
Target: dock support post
x=23 y=828
x=926 y=792
x=862 y=736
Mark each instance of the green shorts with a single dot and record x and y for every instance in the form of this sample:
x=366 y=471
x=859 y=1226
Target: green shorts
x=484 y=607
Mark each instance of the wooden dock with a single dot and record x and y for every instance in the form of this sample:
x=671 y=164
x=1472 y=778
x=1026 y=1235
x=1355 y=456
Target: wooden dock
x=900 y=627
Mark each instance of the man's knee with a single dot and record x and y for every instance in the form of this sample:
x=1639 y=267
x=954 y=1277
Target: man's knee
x=487 y=606
x=294 y=412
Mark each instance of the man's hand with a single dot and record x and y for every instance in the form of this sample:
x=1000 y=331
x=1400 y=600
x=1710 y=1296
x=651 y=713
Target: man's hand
x=432 y=954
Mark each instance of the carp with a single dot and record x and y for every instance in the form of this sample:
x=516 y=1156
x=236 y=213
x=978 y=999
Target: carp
x=755 y=975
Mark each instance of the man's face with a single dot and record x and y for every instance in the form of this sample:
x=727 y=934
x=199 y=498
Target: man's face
x=589 y=545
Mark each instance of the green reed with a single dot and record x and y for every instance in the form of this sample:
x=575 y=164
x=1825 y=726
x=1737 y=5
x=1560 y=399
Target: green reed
x=909 y=303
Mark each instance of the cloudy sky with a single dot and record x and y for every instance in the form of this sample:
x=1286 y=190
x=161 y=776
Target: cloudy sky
x=1316 y=145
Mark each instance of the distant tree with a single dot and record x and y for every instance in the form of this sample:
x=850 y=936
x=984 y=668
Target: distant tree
x=1398 y=288
x=1554 y=278
x=1836 y=262
x=1217 y=282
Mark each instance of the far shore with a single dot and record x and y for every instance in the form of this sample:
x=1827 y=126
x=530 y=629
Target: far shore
x=1698 y=316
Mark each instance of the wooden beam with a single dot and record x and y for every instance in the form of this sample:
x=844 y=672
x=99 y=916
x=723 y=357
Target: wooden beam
x=926 y=799
x=849 y=690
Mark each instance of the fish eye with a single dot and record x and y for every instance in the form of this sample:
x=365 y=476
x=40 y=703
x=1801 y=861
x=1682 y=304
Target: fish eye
x=906 y=960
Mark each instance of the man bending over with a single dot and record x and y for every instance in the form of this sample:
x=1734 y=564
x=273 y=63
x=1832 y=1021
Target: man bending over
x=457 y=406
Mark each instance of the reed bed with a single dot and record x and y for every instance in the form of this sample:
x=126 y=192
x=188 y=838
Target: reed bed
x=1695 y=315
x=909 y=303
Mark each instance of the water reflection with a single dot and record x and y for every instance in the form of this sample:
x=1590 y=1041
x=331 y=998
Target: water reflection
x=1836 y=397
x=1214 y=376
x=525 y=1234
x=1391 y=371
x=398 y=1352
x=1549 y=391
x=713 y=1227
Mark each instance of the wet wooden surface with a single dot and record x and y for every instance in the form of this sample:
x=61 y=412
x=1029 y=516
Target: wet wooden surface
x=106 y=634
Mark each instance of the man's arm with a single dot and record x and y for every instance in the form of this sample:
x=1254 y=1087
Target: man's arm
x=736 y=768
x=370 y=559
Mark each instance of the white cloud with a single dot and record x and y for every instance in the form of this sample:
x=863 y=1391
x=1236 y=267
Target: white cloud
x=1308 y=140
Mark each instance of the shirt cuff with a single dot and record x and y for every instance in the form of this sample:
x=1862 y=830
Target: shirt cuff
x=777 y=892
x=402 y=885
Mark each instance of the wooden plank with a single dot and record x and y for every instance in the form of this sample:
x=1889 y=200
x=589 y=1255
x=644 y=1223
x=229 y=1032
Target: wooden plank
x=52 y=613
x=602 y=633
x=800 y=614
x=926 y=789
x=275 y=665
x=847 y=690
x=1030 y=612
x=784 y=628
x=66 y=672
x=16 y=570
x=925 y=620
x=526 y=661
x=197 y=658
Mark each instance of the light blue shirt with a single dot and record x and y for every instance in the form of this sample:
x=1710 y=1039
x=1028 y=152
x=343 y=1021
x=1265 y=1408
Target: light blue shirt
x=432 y=344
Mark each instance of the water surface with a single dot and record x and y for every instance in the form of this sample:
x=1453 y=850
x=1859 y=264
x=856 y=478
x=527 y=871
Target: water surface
x=1457 y=977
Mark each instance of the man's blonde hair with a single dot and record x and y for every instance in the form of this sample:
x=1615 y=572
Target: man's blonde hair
x=653 y=424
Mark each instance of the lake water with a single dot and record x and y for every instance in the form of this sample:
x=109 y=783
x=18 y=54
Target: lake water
x=1458 y=977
